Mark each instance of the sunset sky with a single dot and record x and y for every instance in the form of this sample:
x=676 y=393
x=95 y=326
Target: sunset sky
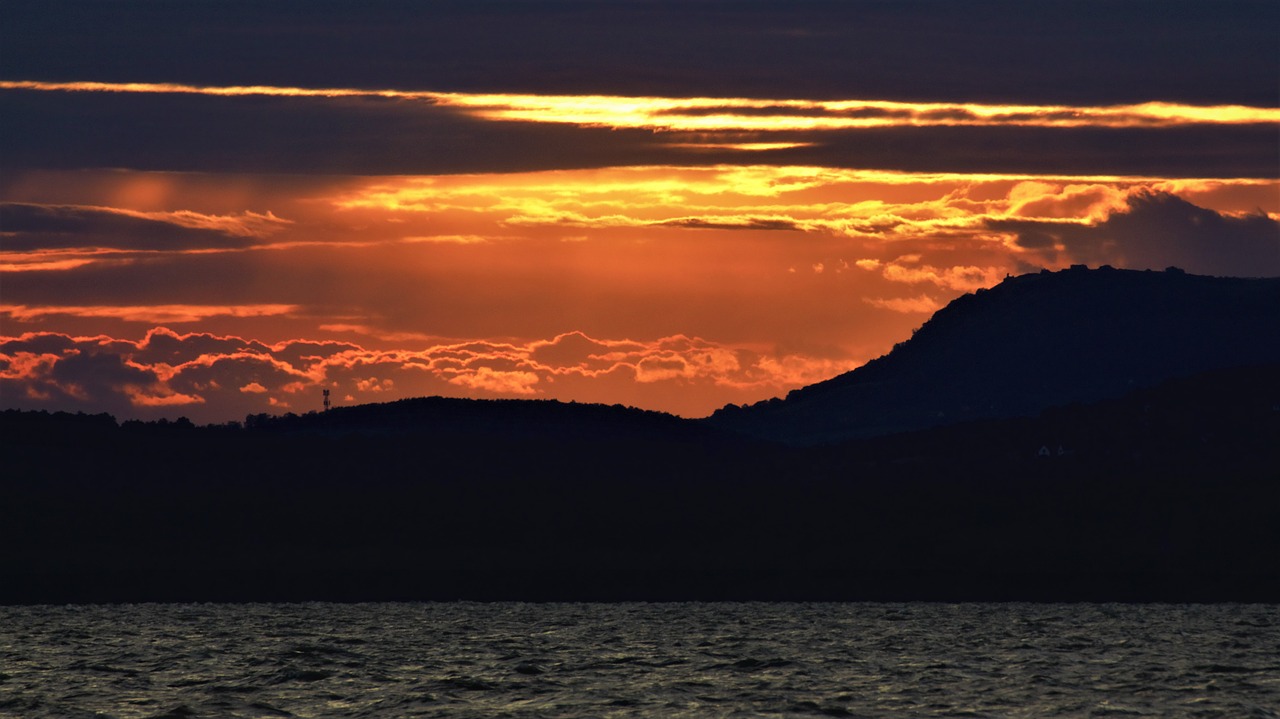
x=212 y=209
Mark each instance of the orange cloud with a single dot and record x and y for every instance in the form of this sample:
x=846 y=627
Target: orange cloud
x=744 y=115
x=20 y=365
x=906 y=305
x=465 y=285
x=39 y=264
x=216 y=378
x=147 y=313
x=497 y=381
x=373 y=384
x=842 y=203
x=965 y=278
x=704 y=114
x=744 y=146
x=1088 y=202
x=141 y=398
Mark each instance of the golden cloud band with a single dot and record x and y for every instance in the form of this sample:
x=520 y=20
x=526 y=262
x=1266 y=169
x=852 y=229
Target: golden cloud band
x=707 y=114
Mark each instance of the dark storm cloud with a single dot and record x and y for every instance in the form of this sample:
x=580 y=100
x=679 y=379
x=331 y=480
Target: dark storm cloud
x=163 y=374
x=38 y=344
x=95 y=373
x=211 y=378
x=1160 y=230
x=1092 y=52
x=376 y=136
x=203 y=375
x=172 y=349
x=232 y=372
x=83 y=377
x=53 y=130
x=1191 y=151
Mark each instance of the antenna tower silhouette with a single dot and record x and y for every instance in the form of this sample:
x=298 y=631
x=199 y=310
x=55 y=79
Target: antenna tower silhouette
x=326 y=400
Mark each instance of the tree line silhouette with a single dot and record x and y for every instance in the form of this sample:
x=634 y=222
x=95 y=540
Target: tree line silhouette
x=1169 y=493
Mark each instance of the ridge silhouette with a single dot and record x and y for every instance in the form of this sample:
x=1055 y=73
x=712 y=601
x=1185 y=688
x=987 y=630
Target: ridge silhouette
x=1168 y=491
x=1030 y=343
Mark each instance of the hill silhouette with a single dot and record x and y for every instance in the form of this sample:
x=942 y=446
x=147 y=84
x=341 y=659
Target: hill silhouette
x=1030 y=343
x=1170 y=493
x=1154 y=490
x=463 y=419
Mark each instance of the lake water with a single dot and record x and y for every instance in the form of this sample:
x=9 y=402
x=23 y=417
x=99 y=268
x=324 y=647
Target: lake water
x=648 y=660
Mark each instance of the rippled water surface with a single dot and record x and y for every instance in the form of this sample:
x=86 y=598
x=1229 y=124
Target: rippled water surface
x=658 y=660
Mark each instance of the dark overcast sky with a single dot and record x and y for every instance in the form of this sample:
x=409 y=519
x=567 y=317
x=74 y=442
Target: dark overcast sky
x=1080 y=53
x=1070 y=52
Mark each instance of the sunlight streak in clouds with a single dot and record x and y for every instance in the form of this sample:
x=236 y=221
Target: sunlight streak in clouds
x=708 y=114
x=740 y=281
x=22 y=262
x=146 y=313
x=837 y=202
x=447 y=202
x=727 y=114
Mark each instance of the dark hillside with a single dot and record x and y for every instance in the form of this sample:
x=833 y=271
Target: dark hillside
x=1170 y=493
x=1033 y=342
x=546 y=420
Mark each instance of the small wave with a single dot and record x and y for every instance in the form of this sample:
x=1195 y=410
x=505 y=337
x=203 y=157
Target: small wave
x=577 y=661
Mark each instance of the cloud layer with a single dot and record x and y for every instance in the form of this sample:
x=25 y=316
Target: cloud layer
x=364 y=132
x=212 y=378
x=784 y=275
x=1158 y=230
x=216 y=210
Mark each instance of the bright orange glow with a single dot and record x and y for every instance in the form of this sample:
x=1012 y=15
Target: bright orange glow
x=849 y=203
x=705 y=114
x=666 y=287
x=41 y=265
x=146 y=313
x=718 y=114
x=140 y=398
x=923 y=304
x=744 y=146
x=557 y=205
x=222 y=91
